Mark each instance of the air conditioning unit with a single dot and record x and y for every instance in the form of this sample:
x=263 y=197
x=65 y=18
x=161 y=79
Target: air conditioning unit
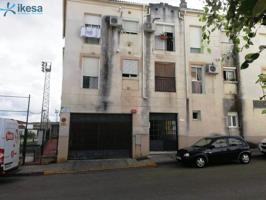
x=211 y=69
x=115 y=21
x=149 y=27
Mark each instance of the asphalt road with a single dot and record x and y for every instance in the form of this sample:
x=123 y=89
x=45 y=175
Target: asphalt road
x=172 y=181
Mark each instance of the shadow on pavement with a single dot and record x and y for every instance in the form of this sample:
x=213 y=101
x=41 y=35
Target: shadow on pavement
x=179 y=165
x=8 y=180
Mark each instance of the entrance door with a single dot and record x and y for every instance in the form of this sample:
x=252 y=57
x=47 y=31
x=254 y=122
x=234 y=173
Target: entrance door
x=163 y=132
x=96 y=136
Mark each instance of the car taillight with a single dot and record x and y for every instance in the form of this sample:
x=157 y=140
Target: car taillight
x=2 y=151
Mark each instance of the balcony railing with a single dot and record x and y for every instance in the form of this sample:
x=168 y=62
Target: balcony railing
x=165 y=84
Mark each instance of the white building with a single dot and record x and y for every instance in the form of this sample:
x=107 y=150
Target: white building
x=136 y=79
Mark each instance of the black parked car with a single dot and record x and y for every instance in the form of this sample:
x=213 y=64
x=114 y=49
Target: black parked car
x=216 y=149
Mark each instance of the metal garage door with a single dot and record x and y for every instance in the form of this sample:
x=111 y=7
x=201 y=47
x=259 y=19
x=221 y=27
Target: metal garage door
x=97 y=136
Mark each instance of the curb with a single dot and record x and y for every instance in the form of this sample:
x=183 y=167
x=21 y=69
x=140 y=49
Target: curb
x=166 y=162
x=70 y=171
x=50 y=173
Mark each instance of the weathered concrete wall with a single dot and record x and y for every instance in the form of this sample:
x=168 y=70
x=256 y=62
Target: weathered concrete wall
x=254 y=121
x=115 y=93
x=169 y=102
x=63 y=136
x=210 y=103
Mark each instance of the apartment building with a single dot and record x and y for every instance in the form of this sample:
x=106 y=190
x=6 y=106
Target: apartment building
x=136 y=79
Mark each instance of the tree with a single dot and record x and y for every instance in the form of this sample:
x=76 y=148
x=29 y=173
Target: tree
x=240 y=20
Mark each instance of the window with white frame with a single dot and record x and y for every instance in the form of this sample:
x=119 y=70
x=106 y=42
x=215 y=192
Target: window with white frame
x=91 y=30
x=130 y=68
x=195 y=39
x=90 y=72
x=197 y=79
x=164 y=37
x=232 y=120
x=130 y=26
x=229 y=74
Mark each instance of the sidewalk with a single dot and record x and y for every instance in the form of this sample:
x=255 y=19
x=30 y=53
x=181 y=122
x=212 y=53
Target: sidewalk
x=81 y=166
x=163 y=157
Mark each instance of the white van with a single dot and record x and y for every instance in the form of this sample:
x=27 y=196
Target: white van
x=9 y=145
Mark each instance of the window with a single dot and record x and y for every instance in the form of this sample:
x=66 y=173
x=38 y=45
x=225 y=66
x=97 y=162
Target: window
x=195 y=39
x=91 y=31
x=197 y=80
x=130 y=68
x=130 y=27
x=235 y=142
x=164 y=37
x=196 y=115
x=229 y=74
x=165 y=77
x=220 y=143
x=232 y=120
x=90 y=70
x=203 y=142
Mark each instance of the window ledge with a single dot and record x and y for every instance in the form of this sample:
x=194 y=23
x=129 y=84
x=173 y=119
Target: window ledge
x=198 y=94
x=158 y=51
x=233 y=127
x=88 y=45
x=88 y=89
x=130 y=33
x=200 y=53
x=165 y=92
x=231 y=82
x=130 y=78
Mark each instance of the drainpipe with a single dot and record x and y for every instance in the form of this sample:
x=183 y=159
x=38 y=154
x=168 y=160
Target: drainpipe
x=182 y=17
x=239 y=102
x=144 y=85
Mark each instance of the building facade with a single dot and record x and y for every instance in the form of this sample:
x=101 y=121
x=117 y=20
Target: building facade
x=136 y=79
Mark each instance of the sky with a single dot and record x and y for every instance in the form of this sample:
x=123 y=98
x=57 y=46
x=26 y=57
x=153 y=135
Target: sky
x=26 y=41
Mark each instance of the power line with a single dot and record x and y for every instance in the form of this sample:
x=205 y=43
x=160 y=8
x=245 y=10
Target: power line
x=18 y=111
x=8 y=96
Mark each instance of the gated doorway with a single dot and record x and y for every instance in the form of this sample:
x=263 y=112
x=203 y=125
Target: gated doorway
x=98 y=136
x=163 y=132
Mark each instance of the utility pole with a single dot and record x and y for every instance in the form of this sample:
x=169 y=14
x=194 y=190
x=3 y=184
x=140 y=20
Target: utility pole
x=26 y=134
x=46 y=69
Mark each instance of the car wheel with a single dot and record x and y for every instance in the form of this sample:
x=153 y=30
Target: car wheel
x=200 y=162
x=244 y=158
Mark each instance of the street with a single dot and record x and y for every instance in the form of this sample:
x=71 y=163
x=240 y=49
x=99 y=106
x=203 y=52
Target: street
x=168 y=181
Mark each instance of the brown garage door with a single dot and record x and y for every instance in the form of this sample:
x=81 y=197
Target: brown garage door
x=97 y=136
